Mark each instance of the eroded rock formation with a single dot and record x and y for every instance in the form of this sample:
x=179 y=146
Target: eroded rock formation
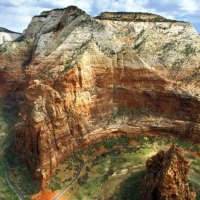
x=166 y=177
x=83 y=79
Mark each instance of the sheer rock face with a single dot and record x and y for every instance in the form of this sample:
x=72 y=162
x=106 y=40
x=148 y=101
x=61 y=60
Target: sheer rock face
x=80 y=72
x=166 y=177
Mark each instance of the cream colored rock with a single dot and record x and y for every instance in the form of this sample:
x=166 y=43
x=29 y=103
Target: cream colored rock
x=7 y=36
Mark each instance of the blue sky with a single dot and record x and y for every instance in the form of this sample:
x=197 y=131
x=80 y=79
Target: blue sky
x=16 y=14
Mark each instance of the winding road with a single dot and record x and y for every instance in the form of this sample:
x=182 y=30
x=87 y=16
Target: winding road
x=83 y=166
x=73 y=180
x=11 y=184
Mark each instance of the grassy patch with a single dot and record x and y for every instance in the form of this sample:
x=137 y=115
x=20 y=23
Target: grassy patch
x=20 y=174
x=194 y=175
x=98 y=172
x=131 y=188
x=123 y=141
x=115 y=174
x=107 y=171
x=7 y=118
x=65 y=172
x=5 y=191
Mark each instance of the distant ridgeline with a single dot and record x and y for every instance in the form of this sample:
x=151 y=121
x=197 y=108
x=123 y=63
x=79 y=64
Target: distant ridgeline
x=7 y=35
x=130 y=16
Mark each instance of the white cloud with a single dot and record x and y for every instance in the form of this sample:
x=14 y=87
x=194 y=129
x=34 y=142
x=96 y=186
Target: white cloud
x=190 y=6
x=186 y=6
x=85 y=5
x=121 y=5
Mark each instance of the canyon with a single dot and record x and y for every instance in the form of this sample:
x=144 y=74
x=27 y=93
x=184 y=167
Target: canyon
x=79 y=79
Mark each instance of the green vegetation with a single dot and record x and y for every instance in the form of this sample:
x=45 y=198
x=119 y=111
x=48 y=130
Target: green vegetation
x=114 y=173
x=189 y=148
x=6 y=68
x=50 y=74
x=122 y=141
x=189 y=50
x=194 y=175
x=73 y=163
x=105 y=173
x=8 y=114
x=101 y=169
x=187 y=145
x=75 y=56
x=133 y=16
x=169 y=46
x=138 y=45
x=19 y=173
x=176 y=66
x=20 y=38
x=131 y=114
x=139 y=40
x=130 y=188
x=69 y=167
x=162 y=141
x=118 y=173
x=6 y=192
x=67 y=67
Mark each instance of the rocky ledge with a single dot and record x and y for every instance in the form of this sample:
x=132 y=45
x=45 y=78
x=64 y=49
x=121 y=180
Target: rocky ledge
x=80 y=79
x=166 y=177
x=133 y=16
x=5 y=30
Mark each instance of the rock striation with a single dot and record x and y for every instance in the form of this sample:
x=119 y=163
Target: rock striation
x=7 y=35
x=81 y=79
x=166 y=176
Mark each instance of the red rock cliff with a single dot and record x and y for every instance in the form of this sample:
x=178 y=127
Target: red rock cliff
x=87 y=78
x=166 y=177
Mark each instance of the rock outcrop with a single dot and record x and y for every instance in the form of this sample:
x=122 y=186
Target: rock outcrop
x=7 y=35
x=83 y=79
x=166 y=177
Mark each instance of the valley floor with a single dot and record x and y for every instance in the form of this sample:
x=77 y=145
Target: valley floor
x=17 y=181
x=6 y=191
x=117 y=174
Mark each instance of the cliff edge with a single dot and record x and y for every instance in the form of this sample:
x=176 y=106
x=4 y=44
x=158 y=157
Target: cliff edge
x=80 y=79
x=7 y=35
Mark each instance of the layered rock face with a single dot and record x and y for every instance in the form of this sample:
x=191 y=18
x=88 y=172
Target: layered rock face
x=88 y=78
x=166 y=177
x=7 y=35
